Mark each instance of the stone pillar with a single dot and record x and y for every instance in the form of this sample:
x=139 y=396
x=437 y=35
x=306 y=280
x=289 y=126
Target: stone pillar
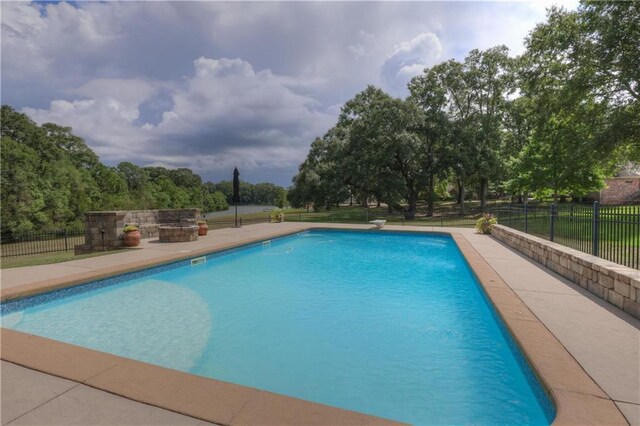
x=103 y=230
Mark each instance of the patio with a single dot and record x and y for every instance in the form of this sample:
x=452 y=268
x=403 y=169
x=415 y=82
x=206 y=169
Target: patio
x=602 y=340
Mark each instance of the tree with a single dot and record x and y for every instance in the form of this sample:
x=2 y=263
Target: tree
x=385 y=147
x=491 y=81
x=447 y=87
x=21 y=194
x=592 y=55
x=574 y=101
x=73 y=146
x=50 y=177
x=435 y=129
x=469 y=99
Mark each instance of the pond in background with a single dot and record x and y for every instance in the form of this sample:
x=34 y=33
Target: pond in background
x=241 y=210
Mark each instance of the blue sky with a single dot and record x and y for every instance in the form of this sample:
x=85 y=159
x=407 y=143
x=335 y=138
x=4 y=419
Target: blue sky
x=212 y=85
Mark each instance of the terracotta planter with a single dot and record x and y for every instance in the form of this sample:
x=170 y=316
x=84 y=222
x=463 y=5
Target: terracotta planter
x=203 y=228
x=131 y=239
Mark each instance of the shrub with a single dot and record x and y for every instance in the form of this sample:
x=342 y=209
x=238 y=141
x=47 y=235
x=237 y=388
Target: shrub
x=129 y=228
x=485 y=223
x=277 y=216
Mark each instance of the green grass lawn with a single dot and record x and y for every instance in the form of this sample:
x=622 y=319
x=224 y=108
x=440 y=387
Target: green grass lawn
x=48 y=258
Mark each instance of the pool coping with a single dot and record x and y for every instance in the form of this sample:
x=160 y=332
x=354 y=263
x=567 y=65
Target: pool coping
x=578 y=399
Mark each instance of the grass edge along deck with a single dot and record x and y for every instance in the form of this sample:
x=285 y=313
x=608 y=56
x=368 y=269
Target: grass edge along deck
x=578 y=399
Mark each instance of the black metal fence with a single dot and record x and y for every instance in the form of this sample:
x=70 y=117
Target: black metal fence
x=610 y=232
x=58 y=240
x=230 y=223
x=441 y=217
x=38 y=242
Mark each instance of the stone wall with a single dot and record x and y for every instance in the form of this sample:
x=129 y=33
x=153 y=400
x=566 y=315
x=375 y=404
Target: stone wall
x=617 y=284
x=103 y=230
x=178 y=234
x=619 y=190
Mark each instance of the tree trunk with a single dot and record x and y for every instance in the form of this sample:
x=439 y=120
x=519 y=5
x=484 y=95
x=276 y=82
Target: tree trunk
x=460 y=196
x=410 y=212
x=484 y=186
x=396 y=206
x=431 y=196
x=461 y=186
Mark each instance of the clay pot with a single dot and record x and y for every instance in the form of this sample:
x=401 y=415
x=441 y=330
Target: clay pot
x=203 y=228
x=131 y=238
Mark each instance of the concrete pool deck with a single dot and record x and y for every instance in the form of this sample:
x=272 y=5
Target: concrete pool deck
x=586 y=335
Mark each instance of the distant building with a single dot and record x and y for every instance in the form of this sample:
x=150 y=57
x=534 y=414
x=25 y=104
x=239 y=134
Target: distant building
x=623 y=188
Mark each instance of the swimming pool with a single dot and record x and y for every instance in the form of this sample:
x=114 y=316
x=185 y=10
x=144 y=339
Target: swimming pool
x=388 y=324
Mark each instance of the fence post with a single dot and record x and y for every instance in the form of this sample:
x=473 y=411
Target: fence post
x=526 y=218
x=66 y=243
x=509 y=215
x=596 y=228
x=553 y=221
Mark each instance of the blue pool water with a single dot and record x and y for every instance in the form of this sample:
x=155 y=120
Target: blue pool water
x=389 y=324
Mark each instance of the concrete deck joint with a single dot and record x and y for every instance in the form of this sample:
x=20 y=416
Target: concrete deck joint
x=44 y=403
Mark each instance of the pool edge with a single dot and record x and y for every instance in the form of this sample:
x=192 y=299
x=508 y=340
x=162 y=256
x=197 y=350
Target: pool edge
x=578 y=399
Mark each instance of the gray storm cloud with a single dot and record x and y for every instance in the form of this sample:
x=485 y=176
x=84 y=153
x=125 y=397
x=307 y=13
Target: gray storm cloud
x=206 y=85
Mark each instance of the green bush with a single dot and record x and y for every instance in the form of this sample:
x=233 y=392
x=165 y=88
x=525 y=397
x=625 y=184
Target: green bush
x=485 y=223
x=129 y=228
x=277 y=216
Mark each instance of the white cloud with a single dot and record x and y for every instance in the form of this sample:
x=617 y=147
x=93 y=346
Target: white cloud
x=225 y=113
x=127 y=91
x=410 y=58
x=270 y=77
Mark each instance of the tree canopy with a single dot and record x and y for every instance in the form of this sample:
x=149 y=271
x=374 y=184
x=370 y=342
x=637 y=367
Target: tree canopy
x=50 y=177
x=554 y=121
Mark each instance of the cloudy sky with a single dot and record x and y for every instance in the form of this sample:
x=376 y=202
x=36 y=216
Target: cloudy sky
x=212 y=85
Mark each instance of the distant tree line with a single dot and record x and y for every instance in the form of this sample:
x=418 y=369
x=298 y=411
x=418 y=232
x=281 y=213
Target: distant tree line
x=555 y=120
x=259 y=193
x=50 y=177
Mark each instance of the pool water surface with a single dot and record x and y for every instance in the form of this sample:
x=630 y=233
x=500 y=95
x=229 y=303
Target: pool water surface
x=389 y=324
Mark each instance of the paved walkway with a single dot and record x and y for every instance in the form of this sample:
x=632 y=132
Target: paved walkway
x=603 y=339
x=33 y=398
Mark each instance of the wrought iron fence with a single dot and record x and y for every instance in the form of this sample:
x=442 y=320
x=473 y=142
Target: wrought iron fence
x=230 y=223
x=38 y=242
x=441 y=217
x=610 y=232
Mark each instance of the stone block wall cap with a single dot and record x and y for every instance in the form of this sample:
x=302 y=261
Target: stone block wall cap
x=103 y=213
